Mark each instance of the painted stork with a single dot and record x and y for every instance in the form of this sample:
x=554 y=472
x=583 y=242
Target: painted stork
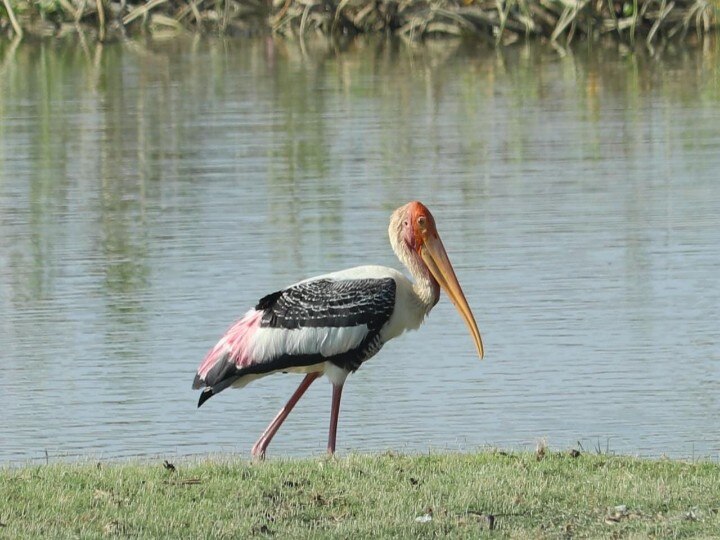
x=330 y=324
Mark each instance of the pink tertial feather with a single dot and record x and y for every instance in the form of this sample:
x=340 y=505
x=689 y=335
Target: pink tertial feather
x=234 y=345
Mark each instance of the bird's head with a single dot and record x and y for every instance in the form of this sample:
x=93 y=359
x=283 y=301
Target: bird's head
x=415 y=239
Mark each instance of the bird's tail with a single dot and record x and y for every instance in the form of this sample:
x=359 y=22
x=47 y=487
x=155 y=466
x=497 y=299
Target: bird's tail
x=206 y=394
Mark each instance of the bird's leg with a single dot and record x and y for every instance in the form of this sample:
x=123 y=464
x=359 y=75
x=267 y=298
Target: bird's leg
x=258 y=449
x=334 y=413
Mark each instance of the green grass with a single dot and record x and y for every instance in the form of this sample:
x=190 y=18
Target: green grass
x=362 y=496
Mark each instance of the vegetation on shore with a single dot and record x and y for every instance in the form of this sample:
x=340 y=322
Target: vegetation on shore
x=497 y=21
x=523 y=495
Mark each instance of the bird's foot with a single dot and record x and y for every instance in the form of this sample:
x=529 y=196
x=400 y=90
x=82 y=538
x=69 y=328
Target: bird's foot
x=258 y=451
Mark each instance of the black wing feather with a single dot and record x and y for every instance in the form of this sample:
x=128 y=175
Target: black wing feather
x=330 y=303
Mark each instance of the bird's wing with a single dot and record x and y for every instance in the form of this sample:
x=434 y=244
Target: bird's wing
x=330 y=303
x=325 y=319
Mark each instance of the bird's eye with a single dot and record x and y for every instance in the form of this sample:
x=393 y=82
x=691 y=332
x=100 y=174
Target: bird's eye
x=405 y=223
x=422 y=221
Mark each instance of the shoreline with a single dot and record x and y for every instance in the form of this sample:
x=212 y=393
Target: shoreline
x=152 y=459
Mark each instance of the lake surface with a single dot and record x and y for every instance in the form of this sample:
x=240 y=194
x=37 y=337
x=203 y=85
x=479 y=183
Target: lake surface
x=150 y=193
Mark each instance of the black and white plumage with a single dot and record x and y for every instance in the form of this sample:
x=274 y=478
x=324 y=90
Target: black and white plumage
x=347 y=313
x=328 y=302
x=315 y=321
x=331 y=324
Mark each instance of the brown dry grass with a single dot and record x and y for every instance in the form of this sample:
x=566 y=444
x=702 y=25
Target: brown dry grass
x=500 y=22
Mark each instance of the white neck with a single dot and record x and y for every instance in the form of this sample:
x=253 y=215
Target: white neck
x=426 y=289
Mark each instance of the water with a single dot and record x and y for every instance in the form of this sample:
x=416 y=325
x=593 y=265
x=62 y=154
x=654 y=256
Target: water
x=151 y=192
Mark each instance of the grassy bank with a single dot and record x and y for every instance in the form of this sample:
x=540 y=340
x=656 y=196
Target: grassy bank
x=464 y=496
x=496 y=21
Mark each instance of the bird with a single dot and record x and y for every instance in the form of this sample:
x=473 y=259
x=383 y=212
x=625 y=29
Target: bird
x=331 y=324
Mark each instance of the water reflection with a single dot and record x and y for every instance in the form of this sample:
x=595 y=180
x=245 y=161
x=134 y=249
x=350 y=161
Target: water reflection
x=151 y=192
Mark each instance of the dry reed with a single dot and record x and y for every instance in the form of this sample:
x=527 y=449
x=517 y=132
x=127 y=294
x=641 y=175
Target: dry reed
x=500 y=22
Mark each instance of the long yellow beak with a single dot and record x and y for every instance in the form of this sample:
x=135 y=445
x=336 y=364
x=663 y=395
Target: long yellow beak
x=436 y=258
